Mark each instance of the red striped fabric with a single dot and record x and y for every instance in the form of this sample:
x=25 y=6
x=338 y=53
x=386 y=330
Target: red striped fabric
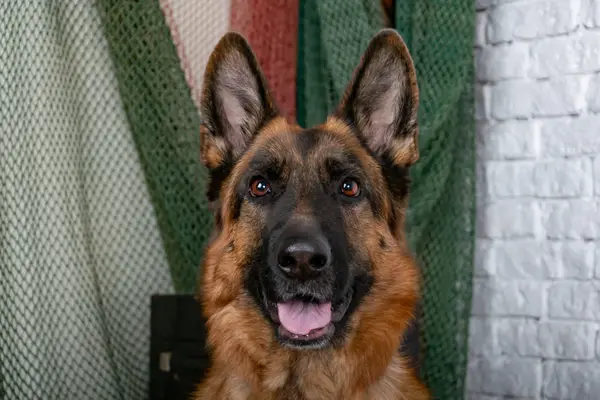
x=271 y=27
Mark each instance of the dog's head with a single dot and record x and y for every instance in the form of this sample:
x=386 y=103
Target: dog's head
x=305 y=217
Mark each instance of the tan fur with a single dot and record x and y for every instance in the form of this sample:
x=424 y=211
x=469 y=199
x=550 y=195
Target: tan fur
x=249 y=364
x=247 y=361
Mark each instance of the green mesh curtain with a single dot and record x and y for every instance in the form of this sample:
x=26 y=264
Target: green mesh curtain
x=442 y=210
x=441 y=218
x=164 y=123
x=102 y=192
x=333 y=34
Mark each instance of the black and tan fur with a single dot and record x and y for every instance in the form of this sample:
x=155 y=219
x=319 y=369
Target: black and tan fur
x=370 y=139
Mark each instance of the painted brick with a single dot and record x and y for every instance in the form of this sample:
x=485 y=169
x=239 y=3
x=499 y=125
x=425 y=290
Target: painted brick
x=510 y=179
x=567 y=340
x=597 y=261
x=593 y=97
x=480 y=25
x=482 y=101
x=518 y=259
x=527 y=332
x=570 y=136
x=559 y=96
x=596 y=173
x=480 y=299
x=484 y=4
x=566 y=55
x=511 y=140
x=511 y=99
x=588 y=13
x=563 y=178
x=598 y=345
x=485 y=265
x=568 y=260
x=482 y=198
x=483 y=337
x=569 y=219
x=515 y=21
x=507 y=376
x=571 y=380
x=481 y=396
x=574 y=300
x=508 y=298
x=502 y=62
x=536 y=293
x=474 y=376
x=508 y=219
x=593 y=14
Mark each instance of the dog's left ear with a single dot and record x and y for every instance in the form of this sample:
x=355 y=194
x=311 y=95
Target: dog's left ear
x=235 y=102
x=382 y=98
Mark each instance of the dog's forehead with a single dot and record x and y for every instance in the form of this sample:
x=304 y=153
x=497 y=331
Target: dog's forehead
x=314 y=146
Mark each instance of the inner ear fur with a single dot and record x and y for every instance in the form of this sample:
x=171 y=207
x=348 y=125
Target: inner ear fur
x=382 y=98
x=235 y=103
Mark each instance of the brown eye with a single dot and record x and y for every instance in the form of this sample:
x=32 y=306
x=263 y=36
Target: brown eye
x=259 y=187
x=350 y=188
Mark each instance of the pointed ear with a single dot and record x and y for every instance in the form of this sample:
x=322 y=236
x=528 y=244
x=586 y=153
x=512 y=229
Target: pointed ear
x=382 y=98
x=235 y=101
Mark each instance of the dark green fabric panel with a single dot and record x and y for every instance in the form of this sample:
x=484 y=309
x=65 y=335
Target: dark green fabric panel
x=165 y=125
x=333 y=35
x=442 y=208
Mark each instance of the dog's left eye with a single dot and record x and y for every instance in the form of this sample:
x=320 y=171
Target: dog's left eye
x=259 y=187
x=350 y=188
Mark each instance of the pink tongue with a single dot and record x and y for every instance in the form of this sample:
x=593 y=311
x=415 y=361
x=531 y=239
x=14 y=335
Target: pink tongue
x=300 y=318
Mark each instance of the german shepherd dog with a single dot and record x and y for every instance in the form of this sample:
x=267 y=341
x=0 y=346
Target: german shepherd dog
x=308 y=285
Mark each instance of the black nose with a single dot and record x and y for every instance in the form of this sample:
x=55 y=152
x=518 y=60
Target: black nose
x=304 y=259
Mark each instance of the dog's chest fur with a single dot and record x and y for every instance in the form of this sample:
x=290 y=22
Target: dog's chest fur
x=298 y=383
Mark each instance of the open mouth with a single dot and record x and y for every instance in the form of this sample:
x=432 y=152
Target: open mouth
x=300 y=319
x=305 y=322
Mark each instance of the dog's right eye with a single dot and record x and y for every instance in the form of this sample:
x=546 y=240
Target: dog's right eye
x=259 y=187
x=350 y=188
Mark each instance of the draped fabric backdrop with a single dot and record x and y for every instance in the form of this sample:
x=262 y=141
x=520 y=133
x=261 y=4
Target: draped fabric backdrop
x=102 y=191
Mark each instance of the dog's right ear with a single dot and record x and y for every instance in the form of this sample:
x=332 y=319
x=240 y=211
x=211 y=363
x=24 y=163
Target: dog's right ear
x=382 y=99
x=235 y=102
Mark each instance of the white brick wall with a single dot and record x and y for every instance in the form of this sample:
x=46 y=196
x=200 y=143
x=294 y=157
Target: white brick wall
x=535 y=326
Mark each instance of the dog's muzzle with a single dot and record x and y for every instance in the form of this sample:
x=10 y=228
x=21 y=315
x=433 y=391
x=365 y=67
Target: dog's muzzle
x=302 y=265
